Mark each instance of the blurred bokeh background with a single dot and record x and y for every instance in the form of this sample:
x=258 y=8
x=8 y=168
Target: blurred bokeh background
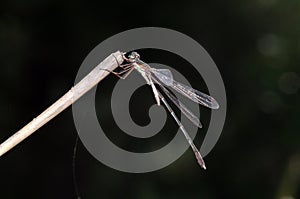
x=255 y=44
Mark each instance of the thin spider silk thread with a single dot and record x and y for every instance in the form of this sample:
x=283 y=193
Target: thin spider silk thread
x=74 y=168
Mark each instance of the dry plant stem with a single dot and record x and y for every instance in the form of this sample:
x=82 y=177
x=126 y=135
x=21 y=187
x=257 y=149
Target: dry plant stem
x=88 y=82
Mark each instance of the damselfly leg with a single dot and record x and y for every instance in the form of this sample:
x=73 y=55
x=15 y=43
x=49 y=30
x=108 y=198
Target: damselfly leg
x=123 y=74
x=122 y=65
x=127 y=69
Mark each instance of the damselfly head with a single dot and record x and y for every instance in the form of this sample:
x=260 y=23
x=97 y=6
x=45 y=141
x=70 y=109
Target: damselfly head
x=133 y=57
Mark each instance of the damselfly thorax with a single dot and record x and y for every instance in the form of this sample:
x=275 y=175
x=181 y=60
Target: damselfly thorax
x=143 y=69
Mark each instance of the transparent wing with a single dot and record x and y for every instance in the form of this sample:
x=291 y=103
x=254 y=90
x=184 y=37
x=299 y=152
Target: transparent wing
x=195 y=95
x=165 y=77
x=180 y=105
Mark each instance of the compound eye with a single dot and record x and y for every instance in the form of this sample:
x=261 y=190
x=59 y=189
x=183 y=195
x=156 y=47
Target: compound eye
x=131 y=55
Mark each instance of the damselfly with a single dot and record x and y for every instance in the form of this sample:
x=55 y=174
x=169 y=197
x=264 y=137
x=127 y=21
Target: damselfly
x=164 y=77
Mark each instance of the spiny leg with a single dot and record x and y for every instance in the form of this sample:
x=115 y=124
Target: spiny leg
x=188 y=138
x=127 y=69
x=122 y=65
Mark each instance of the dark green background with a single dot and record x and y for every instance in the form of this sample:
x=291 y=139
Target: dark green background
x=255 y=44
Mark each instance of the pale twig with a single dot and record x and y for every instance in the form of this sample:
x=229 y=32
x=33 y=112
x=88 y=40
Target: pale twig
x=88 y=82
